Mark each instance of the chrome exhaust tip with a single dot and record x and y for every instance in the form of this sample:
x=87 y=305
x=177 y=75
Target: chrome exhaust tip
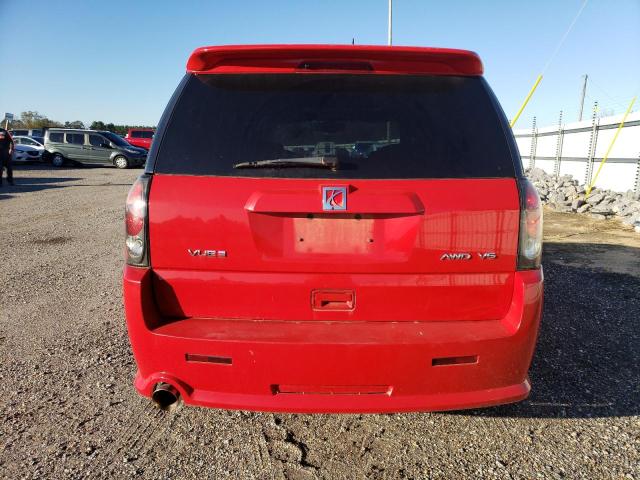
x=165 y=396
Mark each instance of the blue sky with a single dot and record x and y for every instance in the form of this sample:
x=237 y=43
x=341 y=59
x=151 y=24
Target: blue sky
x=119 y=61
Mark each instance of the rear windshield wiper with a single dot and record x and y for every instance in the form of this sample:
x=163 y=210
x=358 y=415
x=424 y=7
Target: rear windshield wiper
x=312 y=162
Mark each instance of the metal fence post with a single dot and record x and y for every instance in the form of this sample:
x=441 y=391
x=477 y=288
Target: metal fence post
x=637 y=185
x=592 y=144
x=556 y=166
x=534 y=141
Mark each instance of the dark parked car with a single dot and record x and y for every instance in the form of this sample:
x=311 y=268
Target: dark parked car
x=91 y=147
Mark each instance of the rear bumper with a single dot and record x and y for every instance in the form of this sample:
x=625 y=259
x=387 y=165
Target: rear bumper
x=335 y=366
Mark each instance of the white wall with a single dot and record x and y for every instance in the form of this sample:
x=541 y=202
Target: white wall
x=576 y=169
x=620 y=172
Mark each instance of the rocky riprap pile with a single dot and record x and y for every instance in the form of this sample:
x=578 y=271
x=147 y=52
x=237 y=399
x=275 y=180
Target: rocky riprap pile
x=565 y=194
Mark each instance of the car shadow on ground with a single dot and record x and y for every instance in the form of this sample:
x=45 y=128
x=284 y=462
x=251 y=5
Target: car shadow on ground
x=32 y=184
x=37 y=166
x=587 y=361
x=69 y=166
x=32 y=166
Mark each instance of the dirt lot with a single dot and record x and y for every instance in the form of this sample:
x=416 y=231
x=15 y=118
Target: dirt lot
x=69 y=410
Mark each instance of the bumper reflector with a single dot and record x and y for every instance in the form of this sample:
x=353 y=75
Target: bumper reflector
x=192 y=357
x=440 y=362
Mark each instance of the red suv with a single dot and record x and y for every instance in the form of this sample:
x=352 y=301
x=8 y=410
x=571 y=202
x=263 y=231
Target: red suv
x=271 y=264
x=140 y=137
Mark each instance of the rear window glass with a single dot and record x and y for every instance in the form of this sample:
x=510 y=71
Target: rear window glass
x=75 y=138
x=141 y=134
x=364 y=126
x=96 y=140
x=116 y=139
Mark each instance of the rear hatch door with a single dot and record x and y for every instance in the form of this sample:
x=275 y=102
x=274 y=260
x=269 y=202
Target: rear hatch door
x=422 y=225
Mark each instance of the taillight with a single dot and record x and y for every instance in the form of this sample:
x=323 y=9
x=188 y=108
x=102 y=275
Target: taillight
x=530 y=244
x=136 y=223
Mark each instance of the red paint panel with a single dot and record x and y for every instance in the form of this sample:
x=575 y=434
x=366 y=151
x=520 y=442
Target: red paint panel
x=474 y=215
x=351 y=357
x=336 y=59
x=280 y=246
x=368 y=203
x=139 y=142
x=289 y=296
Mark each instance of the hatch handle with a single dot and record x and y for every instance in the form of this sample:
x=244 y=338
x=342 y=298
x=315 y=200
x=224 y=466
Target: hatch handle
x=344 y=300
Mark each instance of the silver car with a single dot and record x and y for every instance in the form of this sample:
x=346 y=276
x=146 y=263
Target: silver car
x=97 y=147
x=27 y=149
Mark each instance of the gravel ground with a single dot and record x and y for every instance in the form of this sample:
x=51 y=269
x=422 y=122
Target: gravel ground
x=69 y=410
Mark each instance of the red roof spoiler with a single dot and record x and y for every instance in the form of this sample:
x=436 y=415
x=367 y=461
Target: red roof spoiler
x=333 y=58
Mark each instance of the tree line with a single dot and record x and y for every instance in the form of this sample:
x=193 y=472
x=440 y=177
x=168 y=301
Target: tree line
x=33 y=119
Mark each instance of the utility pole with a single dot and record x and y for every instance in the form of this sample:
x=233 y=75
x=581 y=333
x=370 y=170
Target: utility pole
x=390 y=42
x=390 y=30
x=584 y=91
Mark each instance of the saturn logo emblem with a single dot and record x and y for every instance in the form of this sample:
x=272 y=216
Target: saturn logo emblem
x=334 y=198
